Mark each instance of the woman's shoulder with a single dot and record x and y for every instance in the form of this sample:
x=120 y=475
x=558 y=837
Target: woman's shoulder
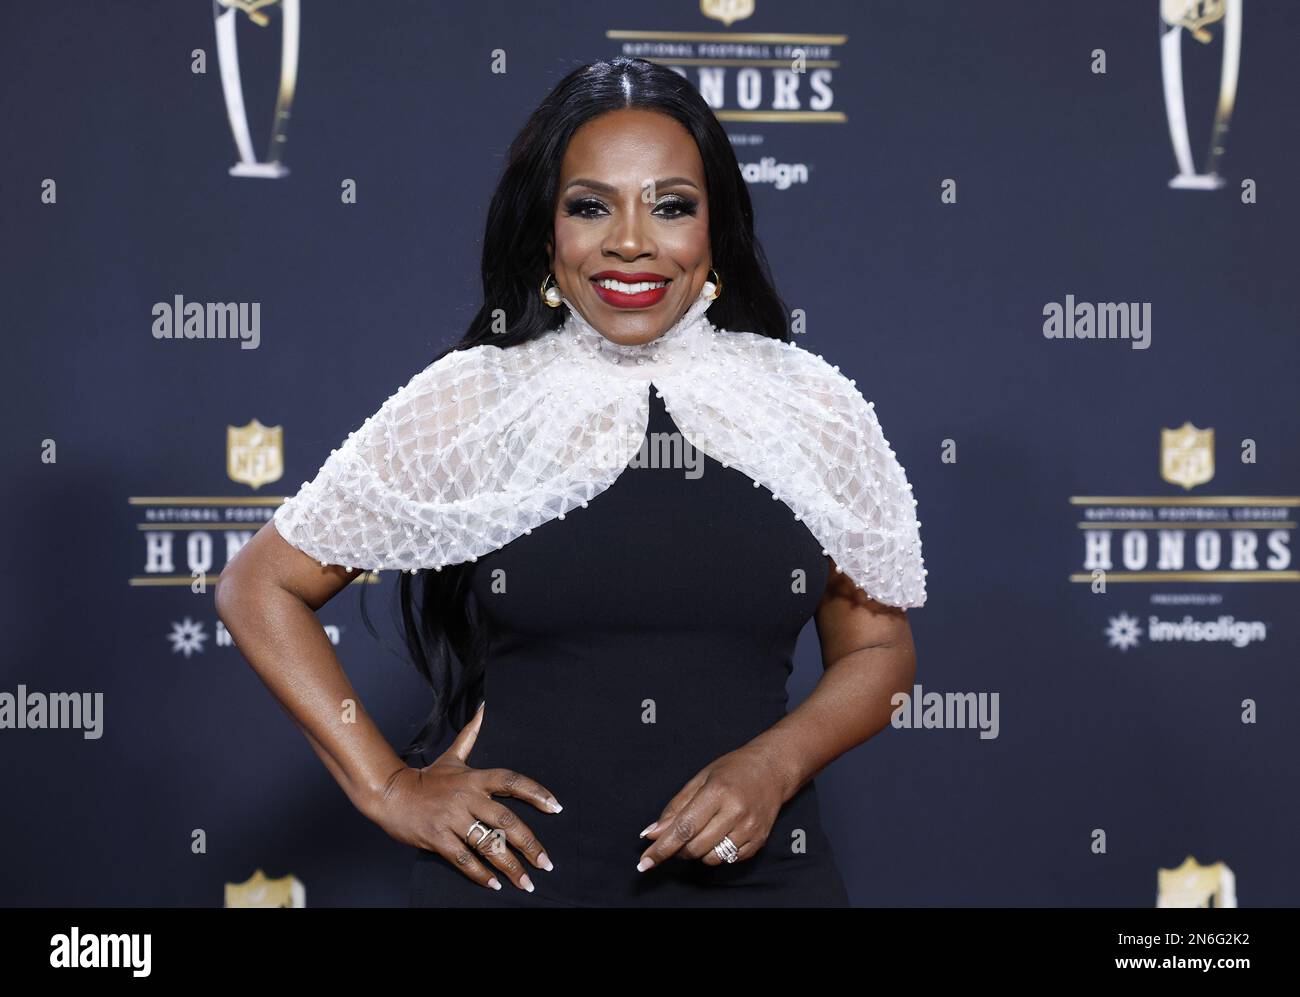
x=466 y=384
x=486 y=360
x=791 y=364
x=462 y=360
x=459 y=371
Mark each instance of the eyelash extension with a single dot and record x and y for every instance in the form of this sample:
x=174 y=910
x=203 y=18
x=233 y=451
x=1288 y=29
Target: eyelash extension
x=684 y=206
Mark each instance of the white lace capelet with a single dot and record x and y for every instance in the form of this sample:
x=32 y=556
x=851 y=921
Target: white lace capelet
x=487 y=444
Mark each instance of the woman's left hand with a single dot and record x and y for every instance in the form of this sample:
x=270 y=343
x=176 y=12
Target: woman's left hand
x=737 y=796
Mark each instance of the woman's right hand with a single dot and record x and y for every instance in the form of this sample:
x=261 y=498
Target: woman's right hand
x=433 y=808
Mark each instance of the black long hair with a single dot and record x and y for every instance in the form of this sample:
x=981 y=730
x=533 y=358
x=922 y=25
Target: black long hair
x=439 y=614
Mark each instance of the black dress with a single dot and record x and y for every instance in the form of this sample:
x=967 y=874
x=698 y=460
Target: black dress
x=671 y=598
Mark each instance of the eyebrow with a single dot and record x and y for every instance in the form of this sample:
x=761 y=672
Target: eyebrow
x=605 y=188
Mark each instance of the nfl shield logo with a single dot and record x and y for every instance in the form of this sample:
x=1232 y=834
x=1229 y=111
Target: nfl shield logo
x=727 y=11
x=1186 y=455
x=1196 y=885
x=258 y=891
x=254 y=453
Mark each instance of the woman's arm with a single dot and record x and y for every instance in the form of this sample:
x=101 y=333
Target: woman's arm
x=868 y=655
x=267 y=597
x=867 y=647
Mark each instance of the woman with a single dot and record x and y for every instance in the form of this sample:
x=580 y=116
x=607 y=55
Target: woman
x=628 y=608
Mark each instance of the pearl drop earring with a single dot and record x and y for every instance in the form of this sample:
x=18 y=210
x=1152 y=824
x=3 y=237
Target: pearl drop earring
x=551 y=295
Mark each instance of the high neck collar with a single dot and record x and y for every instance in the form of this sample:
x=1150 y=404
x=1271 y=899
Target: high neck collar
x=675 y=347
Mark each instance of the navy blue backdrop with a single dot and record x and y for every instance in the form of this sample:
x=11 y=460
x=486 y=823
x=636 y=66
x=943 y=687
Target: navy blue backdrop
x=1129 y=737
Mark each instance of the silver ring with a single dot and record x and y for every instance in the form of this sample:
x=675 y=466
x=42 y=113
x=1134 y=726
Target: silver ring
x=726 y=850
x=488 y=832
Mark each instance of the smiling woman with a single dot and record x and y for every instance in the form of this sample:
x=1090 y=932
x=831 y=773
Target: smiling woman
x=604 y=226
x=632 y=623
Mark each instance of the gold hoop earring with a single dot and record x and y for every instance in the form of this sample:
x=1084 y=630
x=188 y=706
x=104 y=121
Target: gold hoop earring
x=551 y=295
x=717 y=284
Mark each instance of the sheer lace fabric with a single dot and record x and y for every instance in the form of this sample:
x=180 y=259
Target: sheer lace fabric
x=488 y=444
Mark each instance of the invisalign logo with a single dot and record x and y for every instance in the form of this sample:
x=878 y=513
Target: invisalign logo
x=780 y=175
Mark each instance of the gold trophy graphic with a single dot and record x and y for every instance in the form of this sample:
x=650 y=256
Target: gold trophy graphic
x=1196 y=17
x=225 y=13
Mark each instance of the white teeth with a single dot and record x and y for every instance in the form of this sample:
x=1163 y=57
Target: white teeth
x=622 y=288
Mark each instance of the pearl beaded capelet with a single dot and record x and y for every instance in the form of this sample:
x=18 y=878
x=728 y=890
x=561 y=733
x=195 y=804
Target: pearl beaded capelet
x=486 y=444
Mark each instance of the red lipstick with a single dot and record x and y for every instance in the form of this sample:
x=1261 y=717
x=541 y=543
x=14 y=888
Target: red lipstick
x=621 y=299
